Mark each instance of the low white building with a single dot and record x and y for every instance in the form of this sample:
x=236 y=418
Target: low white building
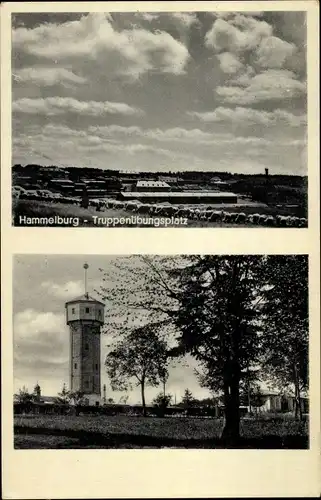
x=152 y=186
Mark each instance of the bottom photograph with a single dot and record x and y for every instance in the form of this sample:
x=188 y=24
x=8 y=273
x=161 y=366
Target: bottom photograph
x=153 y=351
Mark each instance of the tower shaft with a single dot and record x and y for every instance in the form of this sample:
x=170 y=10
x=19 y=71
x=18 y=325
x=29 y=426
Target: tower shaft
x=85 y=357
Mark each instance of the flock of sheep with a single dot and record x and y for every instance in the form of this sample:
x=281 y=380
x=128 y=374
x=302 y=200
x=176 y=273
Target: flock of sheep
x=193 y=213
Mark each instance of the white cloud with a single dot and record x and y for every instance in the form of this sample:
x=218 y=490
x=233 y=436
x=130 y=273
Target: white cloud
x=195 y=136
x=249 y=116
x=187 y=19
x=244 y=79
x=268 y=85
x=133 y=149
x=30 y=324
x=273 y=52
x=111 y=139
x=130 y=53
x=173 y=134
x=40 y=341
x=224 y=35
x=248 y=39
x=47 y=76
x=229 y=62
x=66 y=291
x=59 y=105
x=61 y=130
x=147 y=16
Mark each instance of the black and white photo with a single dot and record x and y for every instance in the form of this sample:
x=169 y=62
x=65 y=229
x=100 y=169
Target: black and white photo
x=150 y=351
x=159 y=119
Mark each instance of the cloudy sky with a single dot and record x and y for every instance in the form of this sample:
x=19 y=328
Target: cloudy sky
x=42 y=285
x=175 y=91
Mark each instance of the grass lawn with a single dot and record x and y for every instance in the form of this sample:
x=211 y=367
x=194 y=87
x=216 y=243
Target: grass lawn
x=53 y=431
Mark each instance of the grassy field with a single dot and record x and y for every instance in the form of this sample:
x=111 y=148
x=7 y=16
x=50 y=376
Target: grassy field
x=46 y=431
x=31 y=208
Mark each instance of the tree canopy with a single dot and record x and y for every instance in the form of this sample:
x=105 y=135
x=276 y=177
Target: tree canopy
x=232 y=313
x=140 y=357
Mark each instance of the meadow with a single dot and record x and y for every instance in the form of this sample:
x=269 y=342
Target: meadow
x=33 y=208
x=68 y=431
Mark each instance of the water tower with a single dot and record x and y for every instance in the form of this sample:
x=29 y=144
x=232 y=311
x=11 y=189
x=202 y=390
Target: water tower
x=85 y=317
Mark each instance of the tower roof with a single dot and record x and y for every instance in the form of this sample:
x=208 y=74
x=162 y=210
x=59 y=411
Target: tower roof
x=84 y=298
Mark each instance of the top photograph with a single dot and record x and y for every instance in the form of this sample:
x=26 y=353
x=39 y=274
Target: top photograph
x=159 y=119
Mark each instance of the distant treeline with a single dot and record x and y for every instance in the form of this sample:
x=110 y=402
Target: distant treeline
x=114 y=409
x=293 y=180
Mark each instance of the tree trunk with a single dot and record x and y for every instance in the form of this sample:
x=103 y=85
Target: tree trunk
x=298 y=402
x=298 y=409
x=249 y=391
x=231 y=431
x=142 y=385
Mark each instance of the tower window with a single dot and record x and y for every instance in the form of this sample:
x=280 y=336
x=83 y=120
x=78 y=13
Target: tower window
x=87 y=310
x=99 y=312
x=86 y=347
x=75 y=366
x=86 y=384
x=96 y=366
x=73 y=310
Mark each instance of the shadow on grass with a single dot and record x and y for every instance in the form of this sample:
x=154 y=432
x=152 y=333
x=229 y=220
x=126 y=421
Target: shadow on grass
x=87 y=439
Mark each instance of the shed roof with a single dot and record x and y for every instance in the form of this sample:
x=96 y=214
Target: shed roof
x=178 y=194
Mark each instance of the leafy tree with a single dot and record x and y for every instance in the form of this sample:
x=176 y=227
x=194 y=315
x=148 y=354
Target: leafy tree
x=188 y=399
x=163 y=375
x=162 y=401
x=36 y=392
x=140 y=356
x=286 y=329
x=23 y=396
x=63 y=396
x=218 y=318
x=206 y=402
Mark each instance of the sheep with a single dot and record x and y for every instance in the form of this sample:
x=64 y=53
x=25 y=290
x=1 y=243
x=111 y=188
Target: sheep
x=152 y=209
x=226 y=217
x=281 y=220
x=180 y=212
x=302 y=222
x=241 y=218
x=184 y=212
x=130 y=205
x=190 y=213
x=233 y=216
x=261 y=219
x=216 y=216
x=269 y=221
x=208 y=213
x=293 y=221
x=203 y=215
x=143 y=208
x=197 y=213
x=256 y=218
